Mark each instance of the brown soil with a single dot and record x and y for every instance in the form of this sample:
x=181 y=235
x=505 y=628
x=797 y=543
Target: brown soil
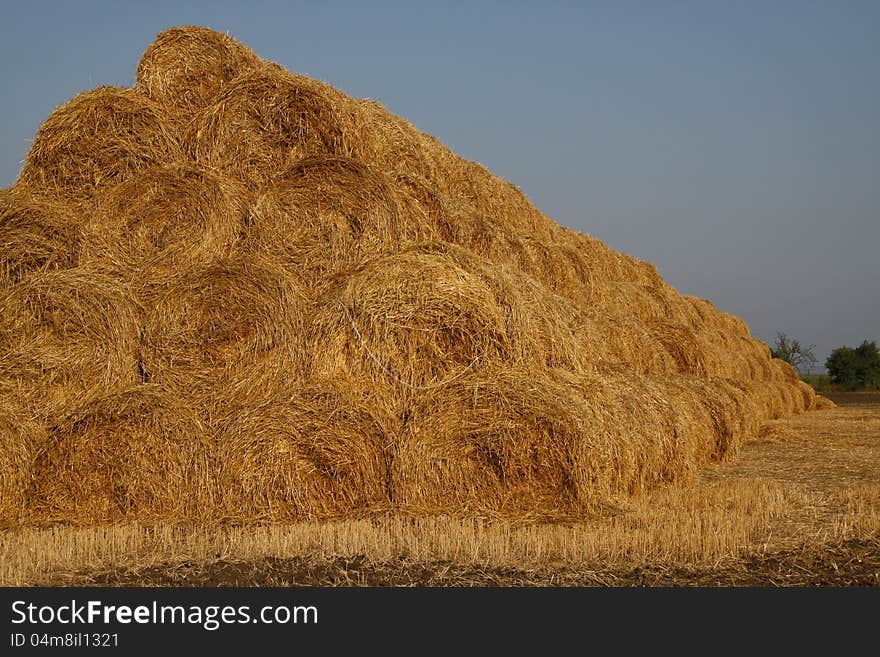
x=868 y=398
x=853 y=563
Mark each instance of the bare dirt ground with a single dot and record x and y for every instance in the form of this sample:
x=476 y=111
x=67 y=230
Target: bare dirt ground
x=852 y=563
x=798 y=507
x=871 y=398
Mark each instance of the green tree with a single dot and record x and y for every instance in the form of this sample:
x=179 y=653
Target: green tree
x=869 y=364
x=855 y=368
x=842 y=365
x=794 y=353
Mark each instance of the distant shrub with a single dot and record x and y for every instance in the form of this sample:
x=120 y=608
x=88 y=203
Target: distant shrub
x=855 y=368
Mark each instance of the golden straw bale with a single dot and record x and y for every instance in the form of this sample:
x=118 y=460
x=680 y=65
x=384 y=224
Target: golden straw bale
x=502 y=441
x=187 y=67
x=462 y=225
x=20 y=438
x=783 y=371
x=759 y=357
x=756 y=356
x=725 y=413
x=636 y=437
x=421 y=198
x=440 y=217
x=711 y=315
x=639 y=301
x=97 y=139
x=385 y=141
x=559 y=266
x=700 y=413
x=626 y=341
x=325 y=215
x=163 y=221
x=67 y=337
x=568 y=271
x=734 y=325
x=471 y=184
x=822 y=403
x=432 y=312
x=138 y=454
x=781 y=399
x=265 y=121
x=36 y=234
x=683 y=345
x=808 y=394
x=612 y=265
x=232 y=321
x=311 y=451
x=797 y=399
x=736 y=413
x=734 y=356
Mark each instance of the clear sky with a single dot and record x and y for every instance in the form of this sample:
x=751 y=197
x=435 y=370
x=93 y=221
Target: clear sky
x=736 y=145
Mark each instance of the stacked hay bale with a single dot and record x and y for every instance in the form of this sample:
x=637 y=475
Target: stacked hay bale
x=233 y=292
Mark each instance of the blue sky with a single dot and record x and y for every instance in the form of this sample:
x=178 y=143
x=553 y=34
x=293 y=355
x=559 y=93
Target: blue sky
x=734 y=145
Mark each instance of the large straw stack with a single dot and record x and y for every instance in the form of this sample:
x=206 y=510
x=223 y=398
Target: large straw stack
x=233 y=292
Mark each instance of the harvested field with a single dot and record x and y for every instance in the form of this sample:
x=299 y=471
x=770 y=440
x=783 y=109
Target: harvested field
x=352 y=319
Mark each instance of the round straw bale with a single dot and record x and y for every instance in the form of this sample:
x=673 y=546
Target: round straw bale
x=734 y=356
x=20 y=438
x=640 y=435
x=710 y=315
x=325 y=215
x=702 y=427
x=471 y=184
x=640 y=301
x=187 y=67
x=234 y=320
x=735 y=415
x=683 y=345
x=458 y=223
x=823 y=403
x=759 y=357
x=626 y=341
x=430 y=313
x=437 y=216
x=97 y=139
x=67 y=337
x=610 y=265
x=163 y=221
x=502 y=246
x=564 y=269
x=463 y=226
x=140 y=453
x=314 y=451
x=36 y=234
x=781 y=399
x=421 y=197
x=263 y=122
x=502 y=441
x=783 y=371
x=385 y=141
